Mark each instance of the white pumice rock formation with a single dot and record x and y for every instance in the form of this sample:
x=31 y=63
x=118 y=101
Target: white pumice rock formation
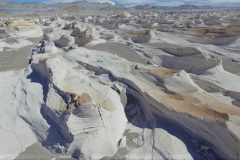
x=64 y=41
x=143 y=36
x=125 y=85
x=23 y=28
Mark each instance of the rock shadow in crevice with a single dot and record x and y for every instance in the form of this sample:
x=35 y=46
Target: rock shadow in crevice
x=58 y=133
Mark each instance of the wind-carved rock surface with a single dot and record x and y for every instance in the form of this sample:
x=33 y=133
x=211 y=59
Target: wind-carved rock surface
x=80 y=122
x=126 y=86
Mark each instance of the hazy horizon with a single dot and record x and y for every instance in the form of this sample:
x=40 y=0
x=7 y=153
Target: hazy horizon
x=212 y=3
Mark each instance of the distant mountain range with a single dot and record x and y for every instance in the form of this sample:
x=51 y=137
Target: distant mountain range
x=81 y=7
x=77 y=8
x=182 y=7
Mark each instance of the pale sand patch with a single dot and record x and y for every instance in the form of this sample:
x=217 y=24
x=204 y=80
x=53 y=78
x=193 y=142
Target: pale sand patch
x=37 y=151
x=230 y=66
x=122 y=50
x=16 y=59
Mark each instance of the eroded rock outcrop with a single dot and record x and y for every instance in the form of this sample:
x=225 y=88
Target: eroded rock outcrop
x=64 y=41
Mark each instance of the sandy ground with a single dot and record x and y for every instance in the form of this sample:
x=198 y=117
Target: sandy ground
x=37 y=151
x=122 y=50
x=16 y=59
x=230 y=66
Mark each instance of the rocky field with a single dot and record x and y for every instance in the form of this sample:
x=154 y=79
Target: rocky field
x=130 y=84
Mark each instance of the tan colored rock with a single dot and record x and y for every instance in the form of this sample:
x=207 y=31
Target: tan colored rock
x=79 y=100
x=83 y=99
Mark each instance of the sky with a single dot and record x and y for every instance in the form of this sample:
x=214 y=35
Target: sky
x=222 y=3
